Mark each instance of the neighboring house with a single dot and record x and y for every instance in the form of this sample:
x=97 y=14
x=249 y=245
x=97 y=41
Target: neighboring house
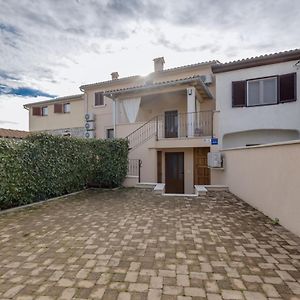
x=59 y=116
x=258 y=100
x=12 y=134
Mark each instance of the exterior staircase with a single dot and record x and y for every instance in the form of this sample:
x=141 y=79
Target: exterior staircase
x=143 y=133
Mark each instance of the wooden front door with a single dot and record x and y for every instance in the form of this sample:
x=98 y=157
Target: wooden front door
x=201 y=170
x=174 y=166
x=171 y=124
x=159 y=167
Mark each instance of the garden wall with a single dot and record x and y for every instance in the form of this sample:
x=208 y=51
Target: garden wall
x=268 y=178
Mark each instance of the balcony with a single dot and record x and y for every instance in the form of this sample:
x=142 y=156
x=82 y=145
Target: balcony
x=184 y=125
x=173 y=125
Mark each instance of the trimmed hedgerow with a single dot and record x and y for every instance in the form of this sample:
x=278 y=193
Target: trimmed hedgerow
x=44 y=166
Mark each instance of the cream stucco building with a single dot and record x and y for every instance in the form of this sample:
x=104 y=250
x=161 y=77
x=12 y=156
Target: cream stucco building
x=167 y=117
x=172 y=117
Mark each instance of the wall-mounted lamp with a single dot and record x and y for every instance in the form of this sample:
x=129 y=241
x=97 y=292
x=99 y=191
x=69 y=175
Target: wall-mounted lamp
x=297 y=65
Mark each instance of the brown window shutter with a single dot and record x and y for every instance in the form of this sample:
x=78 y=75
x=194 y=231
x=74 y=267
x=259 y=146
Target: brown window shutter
x=238 y=93
x=288 y=87
x=58 y=108
x=99 y=100
x=36 y=111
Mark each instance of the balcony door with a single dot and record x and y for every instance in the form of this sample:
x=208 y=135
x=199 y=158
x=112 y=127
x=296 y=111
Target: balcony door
x=174 y=169
x=171 y=124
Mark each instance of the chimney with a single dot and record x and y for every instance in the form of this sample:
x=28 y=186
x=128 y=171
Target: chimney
x=159 y=64
x=114 y=75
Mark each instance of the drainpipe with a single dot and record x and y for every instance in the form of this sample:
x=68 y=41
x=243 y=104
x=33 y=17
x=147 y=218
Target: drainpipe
x=191 y=108
x=114 y=114
x=85 y=98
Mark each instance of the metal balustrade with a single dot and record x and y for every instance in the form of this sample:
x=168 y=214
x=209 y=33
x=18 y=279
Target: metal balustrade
x=173 y=125
x=134 y=168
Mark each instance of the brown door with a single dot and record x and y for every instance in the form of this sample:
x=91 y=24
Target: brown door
x=159 y=167
x=171 y=124
x=174 y=162
x=201 y=170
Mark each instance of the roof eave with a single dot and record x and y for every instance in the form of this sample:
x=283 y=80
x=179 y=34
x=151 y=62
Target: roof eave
x=257 y=61
x=166 y=71
x=69 y=98
x=156 y=87
x=108 y=82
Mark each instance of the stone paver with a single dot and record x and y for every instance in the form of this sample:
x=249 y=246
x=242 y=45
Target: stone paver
x=131 y=244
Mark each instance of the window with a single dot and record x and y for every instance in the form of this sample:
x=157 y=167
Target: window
x=262 y=91
x=36 y=111
x=66 y=108
x=58 y=109
x=110 y=133
x=99 y=99
x=45 y=111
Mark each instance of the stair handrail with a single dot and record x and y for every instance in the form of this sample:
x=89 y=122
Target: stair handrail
x=155 y=118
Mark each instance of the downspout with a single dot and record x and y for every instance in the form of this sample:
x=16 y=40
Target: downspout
x=28 y=109
x=115 y=115
x=85 y=98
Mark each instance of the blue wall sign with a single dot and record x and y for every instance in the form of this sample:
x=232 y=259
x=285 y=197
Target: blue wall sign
x=214 y=141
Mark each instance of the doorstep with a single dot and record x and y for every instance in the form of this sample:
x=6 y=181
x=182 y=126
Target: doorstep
x=146 y=185
x=200 y=190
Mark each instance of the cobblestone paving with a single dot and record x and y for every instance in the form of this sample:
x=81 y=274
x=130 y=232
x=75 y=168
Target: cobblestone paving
x=132 y=244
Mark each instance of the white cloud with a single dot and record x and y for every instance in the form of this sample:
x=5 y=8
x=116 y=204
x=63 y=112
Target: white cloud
x=56 y=46
x=12 y=113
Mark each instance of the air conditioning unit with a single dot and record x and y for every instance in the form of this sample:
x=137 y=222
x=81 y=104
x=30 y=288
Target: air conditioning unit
x=89 y=125
x=89 y=134
x=89 y=117
x=215 y=159
x=207 y=79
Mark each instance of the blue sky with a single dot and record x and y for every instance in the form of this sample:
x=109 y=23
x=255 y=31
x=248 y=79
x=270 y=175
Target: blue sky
x=51 y=47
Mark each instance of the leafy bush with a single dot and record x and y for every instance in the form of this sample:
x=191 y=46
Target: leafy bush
x=44 y=166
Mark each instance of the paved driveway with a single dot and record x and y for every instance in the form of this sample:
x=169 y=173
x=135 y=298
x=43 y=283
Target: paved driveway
x=131 y=244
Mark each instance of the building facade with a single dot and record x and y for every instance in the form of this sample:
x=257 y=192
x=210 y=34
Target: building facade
x=167 y=117
x=59 y=116
x=257 y=100
x=173 y=118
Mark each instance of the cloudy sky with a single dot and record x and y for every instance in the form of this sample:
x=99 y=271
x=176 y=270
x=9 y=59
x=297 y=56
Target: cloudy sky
x=51 y=47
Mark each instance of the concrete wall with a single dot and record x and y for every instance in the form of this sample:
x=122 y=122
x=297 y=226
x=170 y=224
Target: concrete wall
x=254 y=137
x=54 y=121
x=266 y=177
x=72 y=131
x=241 y=119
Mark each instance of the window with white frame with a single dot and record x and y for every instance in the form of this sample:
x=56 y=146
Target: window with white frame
x=262 y=91
x=66 y=108
x=45 y=111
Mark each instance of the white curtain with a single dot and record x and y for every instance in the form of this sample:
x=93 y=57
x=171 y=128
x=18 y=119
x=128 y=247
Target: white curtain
x=131 y=107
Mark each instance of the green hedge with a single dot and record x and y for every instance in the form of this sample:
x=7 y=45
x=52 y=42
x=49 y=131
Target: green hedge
x=44 y=166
